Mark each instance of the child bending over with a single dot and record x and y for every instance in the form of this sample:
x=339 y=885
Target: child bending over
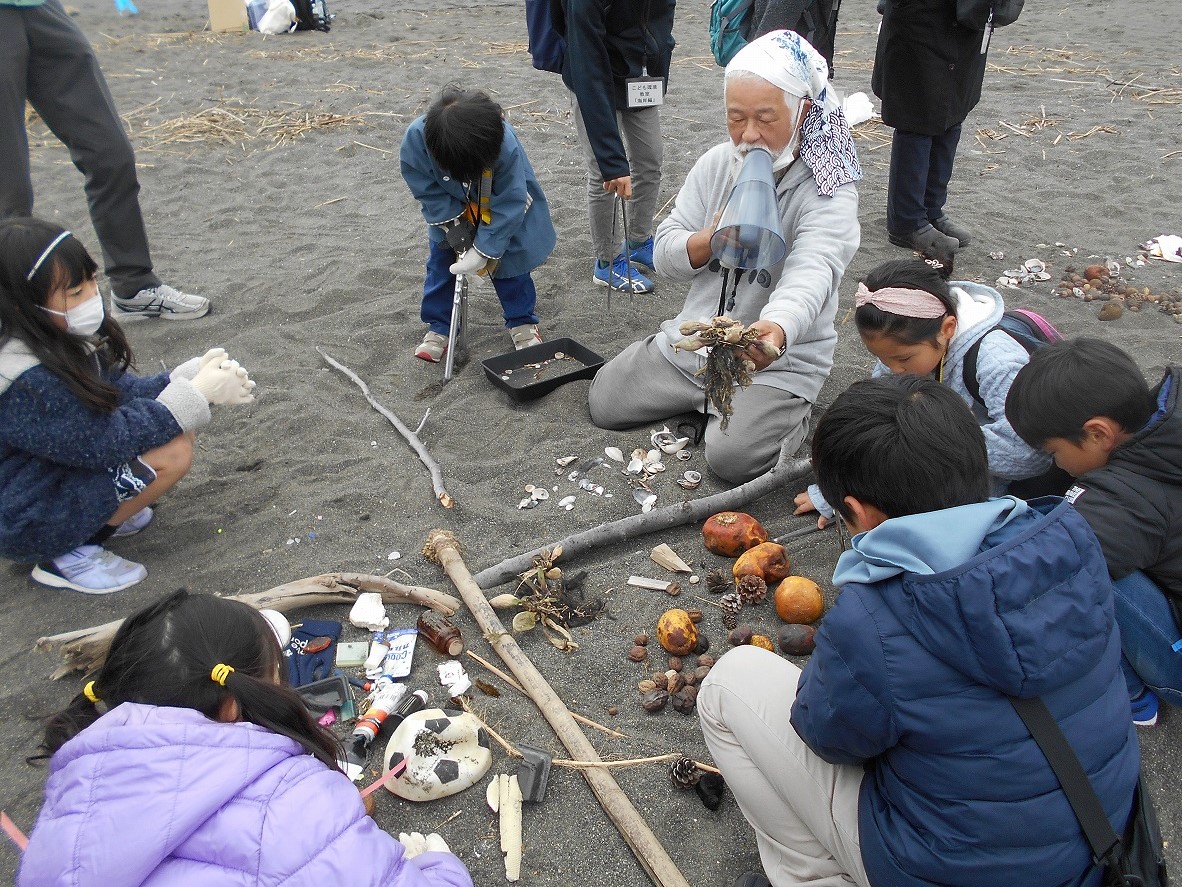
x=896 y=757
x=485 y=211
x=86 y=445
x=188 y=761
x=913 y=321
x=1086 y=403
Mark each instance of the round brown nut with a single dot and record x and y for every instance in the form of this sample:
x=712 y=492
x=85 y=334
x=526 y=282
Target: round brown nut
x=685 y=700
x=740 y=635
x=706 y=660
x=675 y=663
x=638 y=654
x=646 y=686
x=690 y=678
x=675 y=683
x=612 y=710
x=673 y=589
x=658 y=678
x=701 y=671
x=654 y=700
x=641 y=640
x=695 y=615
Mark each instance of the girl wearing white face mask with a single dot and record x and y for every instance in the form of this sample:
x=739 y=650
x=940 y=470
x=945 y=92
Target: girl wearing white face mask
x=86 y=445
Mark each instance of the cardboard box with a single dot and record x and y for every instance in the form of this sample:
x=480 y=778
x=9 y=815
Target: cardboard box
x=228 y=15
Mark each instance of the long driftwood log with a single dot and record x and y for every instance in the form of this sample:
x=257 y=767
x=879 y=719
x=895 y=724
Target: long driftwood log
x=784 y=472
x=442 y=548
x=85 y=649
x=411 y=437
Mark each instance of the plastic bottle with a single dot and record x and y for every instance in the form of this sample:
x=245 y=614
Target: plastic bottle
x=408 y=704
x=386 y=698
x=440 y=633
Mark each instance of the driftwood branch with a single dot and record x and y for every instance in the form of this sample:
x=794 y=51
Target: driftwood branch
x=443 y=549
x=412 y=438
x=85 y=649
x=784 y=472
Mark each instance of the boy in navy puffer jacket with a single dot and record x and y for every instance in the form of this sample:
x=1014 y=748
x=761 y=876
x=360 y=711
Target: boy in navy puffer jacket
x=905 y=764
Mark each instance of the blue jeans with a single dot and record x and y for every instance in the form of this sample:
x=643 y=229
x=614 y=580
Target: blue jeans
x=917 y=186
x=517 y=294
x=1147 y=636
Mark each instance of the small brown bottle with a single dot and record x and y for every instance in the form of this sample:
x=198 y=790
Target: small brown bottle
x=440 y=633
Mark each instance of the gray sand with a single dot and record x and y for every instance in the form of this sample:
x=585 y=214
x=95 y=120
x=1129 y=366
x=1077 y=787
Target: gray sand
x=313 y=241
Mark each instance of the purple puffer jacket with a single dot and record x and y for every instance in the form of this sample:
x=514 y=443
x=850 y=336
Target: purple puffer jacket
x=164 y=796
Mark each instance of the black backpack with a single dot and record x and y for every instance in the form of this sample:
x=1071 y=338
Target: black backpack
x=312 y=15
x=1028 y=328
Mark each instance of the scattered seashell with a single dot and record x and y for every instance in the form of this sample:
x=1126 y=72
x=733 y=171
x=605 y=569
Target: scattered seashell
x=636 y=467
x=695 y=579
x=683 y=455
x=1113 y=266
x=657 y=467
x=527 y=503
x=644 y=499
x=1034 y=266
x=997 y=256
x=565 y=461
x=690 y=480
x=652 y=456
x=539 y=494
x=614 y=453
x=639 y=453
x=566 y=501
x=394 y=555
x=559 y=355
x=1040 y=276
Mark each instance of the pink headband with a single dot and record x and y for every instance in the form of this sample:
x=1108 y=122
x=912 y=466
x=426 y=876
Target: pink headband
x=902 y=301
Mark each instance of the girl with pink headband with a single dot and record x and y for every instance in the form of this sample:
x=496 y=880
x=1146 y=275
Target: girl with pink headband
x=914 y=321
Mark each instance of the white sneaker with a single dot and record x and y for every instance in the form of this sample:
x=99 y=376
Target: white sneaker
x=163 y=301
x=90 y=569
x=134 y=524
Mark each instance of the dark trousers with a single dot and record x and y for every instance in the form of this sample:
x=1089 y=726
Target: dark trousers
x=921 y=167
x=517 y=294
x=46 y=59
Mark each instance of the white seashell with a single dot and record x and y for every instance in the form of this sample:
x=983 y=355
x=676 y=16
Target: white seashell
x=1040 y=276
x=644 y=498
x=690 y=480
x=652 y=456
x=1013 y=272
x=565 y=501
x=540 y=494
x=639 y=453
x=565 y=461
x=1113 y=266
x=636 y=466
x=654 y=467
x=529 y=488
x=675 y=446
x=694 y=580
x=1034 y=266
x=598 y=491
x=614 y=453
x=683 y=455
x=394 y=555
x=527 y=503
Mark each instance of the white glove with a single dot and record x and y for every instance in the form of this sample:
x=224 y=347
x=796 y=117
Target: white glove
x=414 y=843
x=192 y=366
x=436 y=844
x=224 y=382
x=469 y=263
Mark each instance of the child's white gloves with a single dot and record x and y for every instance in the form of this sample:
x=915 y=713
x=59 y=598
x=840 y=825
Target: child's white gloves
x=416 y=843
x=469 y=263
x=190 y=368
x=224 y=381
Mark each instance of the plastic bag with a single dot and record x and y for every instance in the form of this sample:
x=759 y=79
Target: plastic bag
x=279 y=18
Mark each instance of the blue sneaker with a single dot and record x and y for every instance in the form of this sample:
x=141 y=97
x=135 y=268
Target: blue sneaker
x=616 y=274
x=642 y=254
x=1145 y=709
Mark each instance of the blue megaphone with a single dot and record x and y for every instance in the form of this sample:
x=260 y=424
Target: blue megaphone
x=748 y=232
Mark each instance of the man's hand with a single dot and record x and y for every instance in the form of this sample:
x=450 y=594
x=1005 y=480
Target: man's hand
x=621 y=187
x=772 y=335
x=698 y=245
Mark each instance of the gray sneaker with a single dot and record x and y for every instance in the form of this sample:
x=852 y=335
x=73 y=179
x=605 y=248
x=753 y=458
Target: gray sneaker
x=163 y=301
x=90 y=569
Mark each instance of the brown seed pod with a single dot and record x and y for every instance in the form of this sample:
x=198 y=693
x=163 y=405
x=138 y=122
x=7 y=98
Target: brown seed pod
x=675 y=663
x=730 y=533
x=638 y=654
x=1111 y=311
x=658 y=678
x=675 y=683
x=695 y=615
x=646 y=685
x=703 y=644
x=673 y=589
x=797 y=640
x=654 y=700
x=1095 y=272
x=740 y=635
x=706 y=661
x=676 y=633
x=700 y=672
x=691 y=677
x=641 y=640
x=685 y=699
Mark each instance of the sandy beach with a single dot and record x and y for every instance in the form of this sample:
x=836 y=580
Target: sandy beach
x=270 y=184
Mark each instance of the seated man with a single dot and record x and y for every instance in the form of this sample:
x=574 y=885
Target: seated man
x=1086 y=403
x=777 y=97
x=896 y=757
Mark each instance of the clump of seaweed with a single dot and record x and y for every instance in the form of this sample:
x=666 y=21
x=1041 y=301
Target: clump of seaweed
x=727 y=364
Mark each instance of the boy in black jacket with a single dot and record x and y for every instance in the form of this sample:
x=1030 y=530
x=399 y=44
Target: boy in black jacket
x=1086 y=403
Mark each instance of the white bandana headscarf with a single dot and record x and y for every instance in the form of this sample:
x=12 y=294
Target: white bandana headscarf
x=785 y=59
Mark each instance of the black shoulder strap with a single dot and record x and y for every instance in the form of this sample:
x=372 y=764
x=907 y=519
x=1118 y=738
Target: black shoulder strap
x=1076 y=785
x=968 y=370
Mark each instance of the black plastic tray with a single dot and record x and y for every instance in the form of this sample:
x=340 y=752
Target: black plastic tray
x=514 y=373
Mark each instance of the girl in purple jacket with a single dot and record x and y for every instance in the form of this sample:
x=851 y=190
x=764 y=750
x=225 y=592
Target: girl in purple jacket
x=187 y=761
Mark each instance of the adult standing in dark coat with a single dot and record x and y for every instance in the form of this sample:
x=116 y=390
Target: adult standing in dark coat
x=617 y=69
x=928 y=71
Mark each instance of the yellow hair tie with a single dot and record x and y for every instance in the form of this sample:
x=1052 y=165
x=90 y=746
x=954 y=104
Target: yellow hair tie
x=220 y=673
x=88 y=692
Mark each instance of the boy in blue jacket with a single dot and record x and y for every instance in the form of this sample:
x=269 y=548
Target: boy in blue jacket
x=1086 y=403
x=895 y=758
x=485 y=211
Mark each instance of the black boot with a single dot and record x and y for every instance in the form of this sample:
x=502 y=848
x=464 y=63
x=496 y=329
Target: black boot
x=752 y=879
x=945 y=225
x=928 y=242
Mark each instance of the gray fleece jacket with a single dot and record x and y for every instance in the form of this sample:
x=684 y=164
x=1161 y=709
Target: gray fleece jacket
x=822 y=234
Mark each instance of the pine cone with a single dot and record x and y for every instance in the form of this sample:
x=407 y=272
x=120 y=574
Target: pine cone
x=731 y=602
x=730 y=620
x=752 y=589
x=684 y=773
x=717 y=582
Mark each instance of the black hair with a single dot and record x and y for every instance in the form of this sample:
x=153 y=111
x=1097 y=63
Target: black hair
x=164 y=655
x=67 y=355
x=905 y=444
x=1064 y=384
x=464 y=131
x=929 y=276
